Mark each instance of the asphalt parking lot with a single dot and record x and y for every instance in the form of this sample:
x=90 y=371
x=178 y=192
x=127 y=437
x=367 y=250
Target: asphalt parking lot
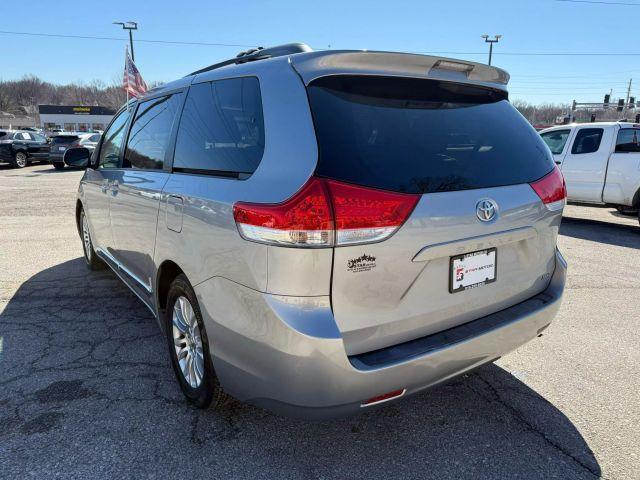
x=86 y=389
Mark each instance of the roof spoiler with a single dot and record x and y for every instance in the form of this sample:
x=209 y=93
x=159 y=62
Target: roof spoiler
x=331 y=62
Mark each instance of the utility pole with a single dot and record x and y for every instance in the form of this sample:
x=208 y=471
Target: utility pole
x=628 y=92
x=129 y=26
x=491 y=41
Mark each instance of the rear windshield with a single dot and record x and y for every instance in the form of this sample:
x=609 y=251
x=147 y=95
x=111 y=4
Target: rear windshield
x=2 y=134
x=64 y=139
x=422 y=136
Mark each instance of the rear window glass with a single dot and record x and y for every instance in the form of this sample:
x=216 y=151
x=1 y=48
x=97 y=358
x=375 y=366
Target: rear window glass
x=422 y=136
x=587 y=140
x=64 y=139
x=222 y=128
x=2 y=134
x=556 y=140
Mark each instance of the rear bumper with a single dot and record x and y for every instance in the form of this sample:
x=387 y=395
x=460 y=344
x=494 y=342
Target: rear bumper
x=286 y=353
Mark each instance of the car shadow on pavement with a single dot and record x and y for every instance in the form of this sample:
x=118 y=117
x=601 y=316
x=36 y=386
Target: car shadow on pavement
x=619 y=234
x=86 y=387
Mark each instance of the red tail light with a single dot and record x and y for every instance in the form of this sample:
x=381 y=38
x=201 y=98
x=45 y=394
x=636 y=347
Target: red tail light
x=551 y=189
x=366 y=214
x=324 y=213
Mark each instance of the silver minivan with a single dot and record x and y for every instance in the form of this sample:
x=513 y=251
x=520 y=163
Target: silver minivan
x=321 y=232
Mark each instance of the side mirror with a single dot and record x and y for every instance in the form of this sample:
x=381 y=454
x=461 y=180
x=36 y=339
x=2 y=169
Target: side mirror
x=77 y=157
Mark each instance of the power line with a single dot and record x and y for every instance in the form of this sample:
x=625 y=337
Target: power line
x=89 y=37
x=601 y=2
x=244 y=45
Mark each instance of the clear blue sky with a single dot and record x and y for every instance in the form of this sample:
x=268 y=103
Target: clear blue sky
x=540 y=26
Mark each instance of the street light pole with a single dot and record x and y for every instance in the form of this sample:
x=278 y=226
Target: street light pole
x=491 y=41
x=129 y=26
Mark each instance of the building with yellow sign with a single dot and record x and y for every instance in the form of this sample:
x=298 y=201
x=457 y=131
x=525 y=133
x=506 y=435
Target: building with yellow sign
x=74 y=118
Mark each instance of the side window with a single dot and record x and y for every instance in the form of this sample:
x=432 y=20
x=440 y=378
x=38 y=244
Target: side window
x=150 y=133
x=222 y=128
x=556 y=140
x=113 y=140
x=38 y=138
x=587 y=140
x=628 y=141
x=95 y=138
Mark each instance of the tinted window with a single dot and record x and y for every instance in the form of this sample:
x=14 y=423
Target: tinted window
x=150 y=132
x=113 y=142
x=21 y=136
x=64 y=139
x=222 y=127
x=2 y=134
x=587 y=140
x=556 y=140
x=94 y=138
x=628 y=139
x=420 y=136
x=38 y=138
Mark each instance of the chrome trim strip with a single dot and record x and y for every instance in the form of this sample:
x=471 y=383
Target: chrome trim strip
x=445 y=249
x=121 y=267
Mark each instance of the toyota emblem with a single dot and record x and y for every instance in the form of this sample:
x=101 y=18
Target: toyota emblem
x=486 y=210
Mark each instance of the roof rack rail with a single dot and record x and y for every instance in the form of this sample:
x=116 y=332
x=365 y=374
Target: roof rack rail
x=259 y=53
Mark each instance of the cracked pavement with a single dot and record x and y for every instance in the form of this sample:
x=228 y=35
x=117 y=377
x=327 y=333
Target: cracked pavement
x=87 y=391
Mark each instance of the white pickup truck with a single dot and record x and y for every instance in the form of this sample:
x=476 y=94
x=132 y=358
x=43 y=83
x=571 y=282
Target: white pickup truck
x=600 y=162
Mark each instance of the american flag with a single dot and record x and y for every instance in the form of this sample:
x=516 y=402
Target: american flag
x=132 y=81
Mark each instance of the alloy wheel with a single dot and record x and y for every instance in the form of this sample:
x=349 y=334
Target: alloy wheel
x=86 y=238
x=21 y=159
x=187 y=342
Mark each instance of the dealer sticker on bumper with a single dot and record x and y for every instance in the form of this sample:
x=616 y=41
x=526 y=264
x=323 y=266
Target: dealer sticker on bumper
x=472 y=270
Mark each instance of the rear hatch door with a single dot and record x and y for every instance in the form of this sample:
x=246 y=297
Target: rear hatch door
x=479 y=238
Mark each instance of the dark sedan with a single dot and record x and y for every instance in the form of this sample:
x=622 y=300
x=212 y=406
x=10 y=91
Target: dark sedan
x=19 y=148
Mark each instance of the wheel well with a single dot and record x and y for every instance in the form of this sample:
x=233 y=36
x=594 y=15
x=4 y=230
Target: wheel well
x=166 y=273
x=78 y=209
x=635 y=203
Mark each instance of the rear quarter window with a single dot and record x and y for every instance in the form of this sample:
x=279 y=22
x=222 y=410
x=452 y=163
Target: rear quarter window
x=222 y=128
x=422 y=136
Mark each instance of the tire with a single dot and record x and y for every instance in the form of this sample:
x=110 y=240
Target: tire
x=632 y=212
x=58 y=165
x=199 y=384
x=20 y=160
x=92 y=260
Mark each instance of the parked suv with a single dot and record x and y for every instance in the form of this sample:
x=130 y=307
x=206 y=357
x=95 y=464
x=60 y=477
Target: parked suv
x=321 y=232
x=21 y=147
x=61 y=143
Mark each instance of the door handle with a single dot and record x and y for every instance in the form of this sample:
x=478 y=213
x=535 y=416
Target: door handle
x=558 y=162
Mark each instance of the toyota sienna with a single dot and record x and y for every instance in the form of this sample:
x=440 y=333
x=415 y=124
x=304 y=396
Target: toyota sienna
x=320 y=232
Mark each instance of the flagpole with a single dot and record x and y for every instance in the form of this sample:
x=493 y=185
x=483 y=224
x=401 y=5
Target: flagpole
x=126 y=58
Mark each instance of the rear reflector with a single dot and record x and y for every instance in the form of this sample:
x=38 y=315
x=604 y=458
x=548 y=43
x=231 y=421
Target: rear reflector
x=383 y=398
x=325 y=213
x=551 y=189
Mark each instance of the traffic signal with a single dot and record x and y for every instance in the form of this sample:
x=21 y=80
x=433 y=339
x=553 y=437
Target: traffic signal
x=620 y=105
x=607 y=99
x=574 y=106
x=638 y=118
x=632 y=102
x=593 y=117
